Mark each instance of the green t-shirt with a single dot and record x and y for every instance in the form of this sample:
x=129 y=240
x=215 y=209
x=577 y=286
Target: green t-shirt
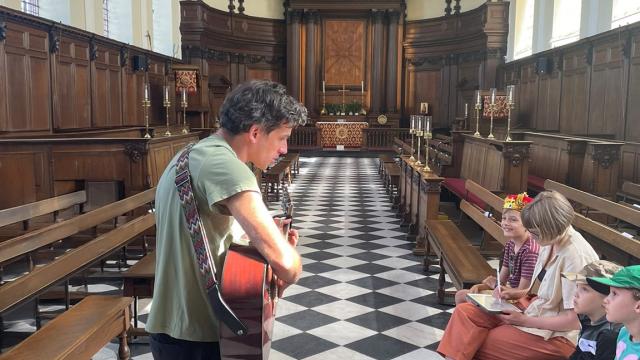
x=180 y=306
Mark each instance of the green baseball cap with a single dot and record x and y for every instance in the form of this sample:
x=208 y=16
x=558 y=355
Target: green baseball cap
x=627 y=278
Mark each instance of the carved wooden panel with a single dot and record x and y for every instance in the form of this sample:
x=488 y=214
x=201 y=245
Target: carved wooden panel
x=575 y=92
x=528 y=96
x=107 y=88
x=632 y=131
x=426 y=86
x=548 y=111
x=71 y=84
x=262 y=74
x=344 y=49
x=26 y=79
x=607 y=90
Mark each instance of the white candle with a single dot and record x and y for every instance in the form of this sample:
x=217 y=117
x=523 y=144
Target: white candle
x=427 y=127
x=510 y=87
x=466 y=109
x=184 y=95
x=493 y=95
x=166 y=93
x=323 y=86
x=419 y=123
x=413 y=122
x=146 y=91
x=362 y=85
x=478 y=100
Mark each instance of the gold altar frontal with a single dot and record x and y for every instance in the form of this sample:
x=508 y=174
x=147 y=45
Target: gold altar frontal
x=348 y=134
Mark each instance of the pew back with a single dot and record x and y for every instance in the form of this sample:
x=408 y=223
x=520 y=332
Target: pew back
x=42 y=207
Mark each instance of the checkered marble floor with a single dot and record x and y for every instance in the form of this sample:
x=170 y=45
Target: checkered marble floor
x=363 y=294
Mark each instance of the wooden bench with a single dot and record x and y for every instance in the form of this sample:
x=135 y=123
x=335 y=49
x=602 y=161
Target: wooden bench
x=391 y=181
x=24 y=214
x=294 y=159
x=80 y=332
x=275 y=177
x=39 y=280
x=610 y=243
x=457 y=256
x=138 y=283
x=630 y=194
x=382 y=160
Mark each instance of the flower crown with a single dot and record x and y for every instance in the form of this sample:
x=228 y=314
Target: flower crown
x=517 y=201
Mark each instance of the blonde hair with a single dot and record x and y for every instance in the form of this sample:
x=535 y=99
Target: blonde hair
x=550 y=213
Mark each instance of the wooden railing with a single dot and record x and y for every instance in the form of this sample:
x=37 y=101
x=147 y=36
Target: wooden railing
x=305 y=138
x=381 y=139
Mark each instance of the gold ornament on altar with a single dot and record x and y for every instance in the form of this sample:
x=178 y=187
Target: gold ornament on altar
x=341 y=133
x=382 y=119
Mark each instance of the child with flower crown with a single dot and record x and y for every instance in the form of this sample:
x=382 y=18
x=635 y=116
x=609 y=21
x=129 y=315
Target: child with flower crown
x=520 y=251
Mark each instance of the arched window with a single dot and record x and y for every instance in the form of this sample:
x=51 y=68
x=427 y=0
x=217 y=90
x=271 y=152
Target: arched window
x=566 y=22
x=523 y=37
x=31 y=7
x=162 y=27
x=624 y=12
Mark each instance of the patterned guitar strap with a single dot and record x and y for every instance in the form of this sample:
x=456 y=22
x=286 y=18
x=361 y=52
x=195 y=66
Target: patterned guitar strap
x=201 y=245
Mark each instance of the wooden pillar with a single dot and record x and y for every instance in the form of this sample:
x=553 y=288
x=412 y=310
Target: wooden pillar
x=392 y=63
x=310 y=82
x=600 y=170
x=429 y=204
x=293 y=52
x=516 y=166
x=377 y=72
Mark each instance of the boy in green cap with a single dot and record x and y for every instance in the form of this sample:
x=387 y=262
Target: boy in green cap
x=597 y=340
x=623 y=306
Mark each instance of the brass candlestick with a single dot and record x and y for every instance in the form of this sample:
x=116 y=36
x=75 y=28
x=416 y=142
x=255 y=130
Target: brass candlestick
x=492 y=109
x=419 y=134
x=510 y=105
x=478 y=108
x=427 y=136
x=145 y=106
x=167 y=104
x=184 y=117
x=412 y=131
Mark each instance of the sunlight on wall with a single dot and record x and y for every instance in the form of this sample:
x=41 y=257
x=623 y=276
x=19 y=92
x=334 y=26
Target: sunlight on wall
x=566 y=22
x=427 y=9
x=624 y=12
x=523 y=42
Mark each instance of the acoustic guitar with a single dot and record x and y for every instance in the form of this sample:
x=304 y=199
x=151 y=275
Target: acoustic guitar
x=249 y=288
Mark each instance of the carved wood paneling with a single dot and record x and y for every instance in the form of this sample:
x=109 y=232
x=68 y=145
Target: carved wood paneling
x=107 y=86
x=574 y=109
x=632 y=130
x=26 y=80
x=548 y=96
x=528 y=95
x=608 y=87
x=71 y=84
x=344 y=52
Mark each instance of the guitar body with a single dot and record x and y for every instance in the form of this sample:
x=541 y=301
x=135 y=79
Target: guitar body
x=248 y=286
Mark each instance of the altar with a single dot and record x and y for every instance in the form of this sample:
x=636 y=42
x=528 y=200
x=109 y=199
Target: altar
x=349 y=134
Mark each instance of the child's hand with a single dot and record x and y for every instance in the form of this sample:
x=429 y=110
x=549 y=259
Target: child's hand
x=490 y=281
x=514 y=318
x=508 y=293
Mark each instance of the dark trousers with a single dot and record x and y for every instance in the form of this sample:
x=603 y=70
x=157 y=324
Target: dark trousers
x=165 y=347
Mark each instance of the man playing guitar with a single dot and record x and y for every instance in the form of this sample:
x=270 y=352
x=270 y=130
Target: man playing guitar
x=256 y=120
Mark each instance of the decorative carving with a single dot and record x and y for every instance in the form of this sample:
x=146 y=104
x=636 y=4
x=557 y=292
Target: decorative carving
x=429 y=60
x=54 y=41
x=231 y=7
x=456 y=8
x=378 y=16
x=294 y=16
x=344 y=52
x=516 y=154
x=447 y=9
x=241 y=7
x=3 y=29
x=430 y=186
x=124 y=56
x=311 y=17
x=588 y=55
x=605 y=155
x=393 y=16
x=93 y=49
x=625 y=47
x=416 y=177
x=496 y=53
x=135 y=151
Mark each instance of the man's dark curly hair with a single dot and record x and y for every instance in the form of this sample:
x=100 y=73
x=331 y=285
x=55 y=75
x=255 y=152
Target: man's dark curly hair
x=261 y=102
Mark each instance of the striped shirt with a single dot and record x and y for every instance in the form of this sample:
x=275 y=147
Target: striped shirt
x=522 y=264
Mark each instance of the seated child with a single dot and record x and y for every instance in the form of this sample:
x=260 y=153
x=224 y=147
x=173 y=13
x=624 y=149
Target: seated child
x=623 y=306
x=597 y=339
x=520 y=251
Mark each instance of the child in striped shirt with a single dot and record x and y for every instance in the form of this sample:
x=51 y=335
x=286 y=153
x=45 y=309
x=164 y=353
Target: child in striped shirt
x=520 y=251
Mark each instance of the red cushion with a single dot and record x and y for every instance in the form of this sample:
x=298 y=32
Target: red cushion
x=535 y=182
x=456 y=186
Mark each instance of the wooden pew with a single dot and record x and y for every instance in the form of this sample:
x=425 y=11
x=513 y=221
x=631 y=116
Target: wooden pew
x=457 y=256
x=138 y=283
x=25 y=213
x=41 y=279
x=630 y=194
x=275 y=177
x=610 y=243
x=294 y=159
